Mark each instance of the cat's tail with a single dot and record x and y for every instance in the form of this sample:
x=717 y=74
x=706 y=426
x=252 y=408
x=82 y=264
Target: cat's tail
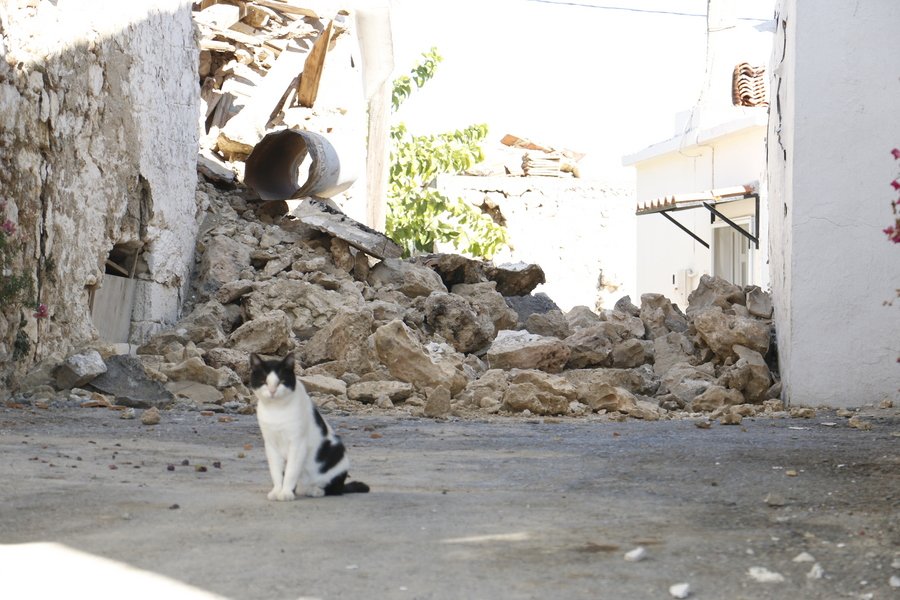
x=355 y=487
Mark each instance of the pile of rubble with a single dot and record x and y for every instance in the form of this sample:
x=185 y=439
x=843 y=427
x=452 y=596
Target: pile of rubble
x=436 y=335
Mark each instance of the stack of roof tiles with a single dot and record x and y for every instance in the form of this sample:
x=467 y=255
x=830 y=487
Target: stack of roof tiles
x=749 y=86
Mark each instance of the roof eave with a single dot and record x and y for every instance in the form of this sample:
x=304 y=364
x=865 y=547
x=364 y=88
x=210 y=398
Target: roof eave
x=699 y=137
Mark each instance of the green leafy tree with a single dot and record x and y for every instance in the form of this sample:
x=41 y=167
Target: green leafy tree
x=418 y=216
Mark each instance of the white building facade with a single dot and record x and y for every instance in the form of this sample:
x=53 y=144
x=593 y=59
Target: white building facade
x=719 y=149
x=834 y=119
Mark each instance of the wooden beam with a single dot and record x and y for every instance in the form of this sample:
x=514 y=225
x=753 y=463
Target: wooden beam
x=312 y=68
x=244 y=130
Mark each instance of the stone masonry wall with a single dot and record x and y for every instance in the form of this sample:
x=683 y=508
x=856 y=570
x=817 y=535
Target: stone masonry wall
x=98 y=138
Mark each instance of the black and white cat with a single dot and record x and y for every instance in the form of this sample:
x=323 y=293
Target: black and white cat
x=304 y=454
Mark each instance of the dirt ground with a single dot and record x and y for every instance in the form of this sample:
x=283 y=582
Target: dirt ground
x=93 y=505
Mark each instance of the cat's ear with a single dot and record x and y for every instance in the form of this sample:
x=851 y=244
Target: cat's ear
x=288 y=362
x=255 y=361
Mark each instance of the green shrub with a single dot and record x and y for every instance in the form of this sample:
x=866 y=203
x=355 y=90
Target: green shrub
x=418 y=216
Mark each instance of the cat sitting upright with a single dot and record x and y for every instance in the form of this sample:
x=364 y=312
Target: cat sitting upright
x=304 y=454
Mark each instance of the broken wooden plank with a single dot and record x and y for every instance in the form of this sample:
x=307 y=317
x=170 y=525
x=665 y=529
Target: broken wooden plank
x=319 y=215
x=210 y=95
x=230 y=34
x=312 y=69
x=216 y=45
x=213 y=168
x=242 y=132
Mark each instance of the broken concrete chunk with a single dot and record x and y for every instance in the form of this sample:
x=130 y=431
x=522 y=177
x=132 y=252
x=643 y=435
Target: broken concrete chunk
x=759 y=303
x=550 y=324
x=126 y=380
x=660 y=316
x=538 y=392
x=528 y=305
x=580 y=317
x=198 y=394
x=715 y=396
x=714 y=291
x=721 y=332
x=266 y=334
x=79 y=369
x=454 y=269
x=515 y=279
x=749 y=375
x=523 y=350
x=437 y=403
x=671 y=349
x=453 y=317
x=322 y=384
x=345 y=338
x=486 y=300
x=398 y=349
x=368 y=392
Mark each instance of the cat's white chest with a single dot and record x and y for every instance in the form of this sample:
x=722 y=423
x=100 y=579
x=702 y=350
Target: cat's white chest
x=281 y=423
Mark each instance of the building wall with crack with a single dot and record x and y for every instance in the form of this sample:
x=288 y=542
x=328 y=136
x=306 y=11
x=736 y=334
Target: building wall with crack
x=98 y=131
x=832 y=125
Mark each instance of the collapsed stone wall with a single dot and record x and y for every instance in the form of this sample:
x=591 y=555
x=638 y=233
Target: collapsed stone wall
x=436 y=335
x=98 y=132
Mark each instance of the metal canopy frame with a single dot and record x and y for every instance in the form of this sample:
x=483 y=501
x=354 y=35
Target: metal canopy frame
x=708 y=202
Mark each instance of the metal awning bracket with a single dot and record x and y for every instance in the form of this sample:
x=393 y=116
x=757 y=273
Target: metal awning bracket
x=683 y=228
x=741 y=230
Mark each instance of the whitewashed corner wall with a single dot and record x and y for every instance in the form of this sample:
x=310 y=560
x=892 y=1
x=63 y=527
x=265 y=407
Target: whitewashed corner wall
x=833 y=123
x=98 y=142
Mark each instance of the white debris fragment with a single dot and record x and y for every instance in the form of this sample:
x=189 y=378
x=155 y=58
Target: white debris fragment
x=680 y=590
x=774 y=499
x=816 y=572
x=894 y=581
x=639 y=553
x=763 y=575
x=804 y=557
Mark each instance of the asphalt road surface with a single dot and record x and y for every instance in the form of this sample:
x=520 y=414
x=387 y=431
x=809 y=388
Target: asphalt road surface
x=95 y=506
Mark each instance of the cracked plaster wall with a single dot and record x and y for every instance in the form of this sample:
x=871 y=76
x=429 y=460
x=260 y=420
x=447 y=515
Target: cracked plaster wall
x=98 y=139
x=833 y=122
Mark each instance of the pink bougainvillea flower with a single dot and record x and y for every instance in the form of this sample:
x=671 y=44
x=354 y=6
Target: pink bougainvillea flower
x=893 y=234
x=894 y=184
x=896 y=153
x=8 y=227
x=42 y=312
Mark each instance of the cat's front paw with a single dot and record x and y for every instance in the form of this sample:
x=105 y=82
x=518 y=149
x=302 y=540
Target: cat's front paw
x=273 y=495
x=284 y=496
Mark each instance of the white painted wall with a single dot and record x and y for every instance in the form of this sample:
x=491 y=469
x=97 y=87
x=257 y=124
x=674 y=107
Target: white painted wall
x=829 y=173
x=664 y=252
